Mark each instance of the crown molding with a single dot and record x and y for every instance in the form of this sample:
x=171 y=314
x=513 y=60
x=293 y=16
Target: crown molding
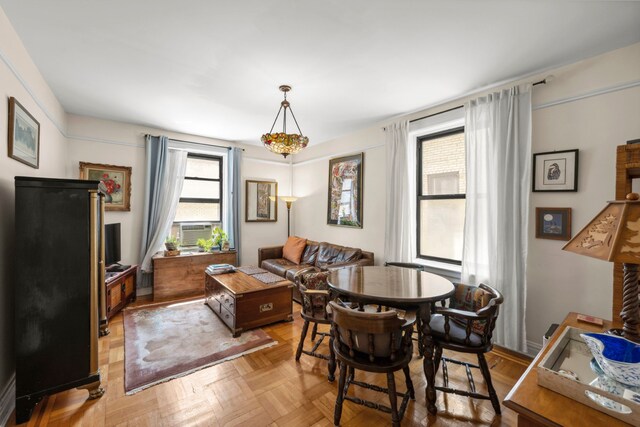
x=32 y=93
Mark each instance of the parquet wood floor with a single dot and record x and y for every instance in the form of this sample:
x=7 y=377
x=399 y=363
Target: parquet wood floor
x=265 y=388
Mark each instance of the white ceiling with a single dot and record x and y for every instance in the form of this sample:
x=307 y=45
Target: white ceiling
x=213 y=68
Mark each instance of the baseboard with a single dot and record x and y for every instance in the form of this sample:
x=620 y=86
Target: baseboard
x=533 y=348
x=144 y=291
x=8 y=400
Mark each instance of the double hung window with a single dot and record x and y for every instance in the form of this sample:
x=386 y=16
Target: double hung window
x=200 y=205
x=441 y=196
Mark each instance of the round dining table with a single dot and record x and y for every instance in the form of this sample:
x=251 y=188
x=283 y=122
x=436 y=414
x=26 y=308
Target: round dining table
x=398 y=287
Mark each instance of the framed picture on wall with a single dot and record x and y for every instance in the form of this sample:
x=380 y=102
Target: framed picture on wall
x=24 y=135
x=555 y=171
x=115 y=184
x=344 y=207
x=553 y=223
x=260 y=201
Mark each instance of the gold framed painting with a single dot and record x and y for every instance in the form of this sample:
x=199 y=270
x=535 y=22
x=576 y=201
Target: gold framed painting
x=115 y=183
x=24 y=135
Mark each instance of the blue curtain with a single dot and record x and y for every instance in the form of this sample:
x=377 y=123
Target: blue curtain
x=235 y=197
x=156 y=152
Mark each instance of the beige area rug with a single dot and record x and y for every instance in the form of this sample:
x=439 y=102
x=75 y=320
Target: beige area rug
x=166 y=341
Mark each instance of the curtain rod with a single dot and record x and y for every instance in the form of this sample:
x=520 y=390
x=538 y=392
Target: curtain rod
x=197 y=143
x=436 y=114
x=541 y=82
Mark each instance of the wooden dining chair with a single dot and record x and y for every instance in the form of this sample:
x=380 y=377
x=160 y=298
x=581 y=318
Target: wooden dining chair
x=466 y=325
x=315 y=295
x=372 y=342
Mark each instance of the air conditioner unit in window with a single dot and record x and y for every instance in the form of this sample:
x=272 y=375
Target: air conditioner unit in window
x=190 y=233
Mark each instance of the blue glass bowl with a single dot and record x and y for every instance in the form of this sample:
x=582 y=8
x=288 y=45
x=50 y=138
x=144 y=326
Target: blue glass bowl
x=618 y=357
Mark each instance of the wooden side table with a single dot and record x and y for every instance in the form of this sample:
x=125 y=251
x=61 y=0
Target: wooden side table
x=120 y=290
x=538 y=406
x=182 y=276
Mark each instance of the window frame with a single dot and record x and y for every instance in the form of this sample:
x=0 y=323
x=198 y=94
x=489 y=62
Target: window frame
x=219 y=180
x=419 y=193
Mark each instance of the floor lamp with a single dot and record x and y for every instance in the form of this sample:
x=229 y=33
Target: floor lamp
x=614 y=236
x=289 y=200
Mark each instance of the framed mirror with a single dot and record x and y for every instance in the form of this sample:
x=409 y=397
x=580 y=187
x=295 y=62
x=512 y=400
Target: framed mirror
x=257 y=203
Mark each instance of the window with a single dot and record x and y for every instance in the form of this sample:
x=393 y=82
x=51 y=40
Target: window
x=441 y=196
x=201 y=197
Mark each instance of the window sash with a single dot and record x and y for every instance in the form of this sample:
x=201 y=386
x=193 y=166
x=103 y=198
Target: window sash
x=420 y=190
x=219 y=182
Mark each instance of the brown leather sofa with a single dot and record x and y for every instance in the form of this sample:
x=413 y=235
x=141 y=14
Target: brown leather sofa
x=317 y=256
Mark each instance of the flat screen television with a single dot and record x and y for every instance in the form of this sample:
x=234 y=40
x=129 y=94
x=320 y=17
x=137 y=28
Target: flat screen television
x=111 y=244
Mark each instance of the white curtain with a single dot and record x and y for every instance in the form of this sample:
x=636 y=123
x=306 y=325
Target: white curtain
x=399 y=223
x=170 y=189
x=498 y=159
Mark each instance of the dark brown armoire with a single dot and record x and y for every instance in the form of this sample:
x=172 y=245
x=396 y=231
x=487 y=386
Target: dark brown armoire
x=58 y=268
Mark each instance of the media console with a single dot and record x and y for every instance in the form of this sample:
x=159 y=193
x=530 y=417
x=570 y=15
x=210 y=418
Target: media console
x=120 y=289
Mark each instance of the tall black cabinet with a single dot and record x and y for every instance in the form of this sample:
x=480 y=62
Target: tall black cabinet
x=58 y=268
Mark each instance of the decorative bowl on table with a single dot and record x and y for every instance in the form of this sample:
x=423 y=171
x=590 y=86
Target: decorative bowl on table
x=618 y=357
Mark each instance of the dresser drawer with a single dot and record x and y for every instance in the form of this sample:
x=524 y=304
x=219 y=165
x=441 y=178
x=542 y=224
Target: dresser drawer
x=228 y=301
x=228 y=318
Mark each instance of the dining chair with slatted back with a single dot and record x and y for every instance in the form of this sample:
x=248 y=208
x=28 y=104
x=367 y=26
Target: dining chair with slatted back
x=465 y=324
x=315 y=296
x=372 y=342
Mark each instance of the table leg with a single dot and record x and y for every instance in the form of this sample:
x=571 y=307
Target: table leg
x=427 y=361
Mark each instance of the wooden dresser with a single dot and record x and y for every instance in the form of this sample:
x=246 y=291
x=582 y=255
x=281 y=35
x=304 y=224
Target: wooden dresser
x=538 y=406
x=182 y=276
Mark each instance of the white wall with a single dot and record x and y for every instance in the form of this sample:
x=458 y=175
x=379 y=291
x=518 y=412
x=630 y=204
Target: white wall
x=103 y=141
x=255 y=235
x=311 y=180
x=558 y=282
x=20 y=78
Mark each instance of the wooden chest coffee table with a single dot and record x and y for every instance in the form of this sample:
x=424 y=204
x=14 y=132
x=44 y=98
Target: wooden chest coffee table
x=243 y=302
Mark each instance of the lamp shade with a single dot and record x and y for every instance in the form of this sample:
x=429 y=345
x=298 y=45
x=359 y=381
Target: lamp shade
x=613 y=235
x=288 y=199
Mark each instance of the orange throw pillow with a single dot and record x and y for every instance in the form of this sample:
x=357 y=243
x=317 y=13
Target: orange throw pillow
x=293 y=249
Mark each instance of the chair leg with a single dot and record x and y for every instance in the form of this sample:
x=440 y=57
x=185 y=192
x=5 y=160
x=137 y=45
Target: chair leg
x=407 y=376
x=393 y=399
x=332 y=359
x=419 y=329
x=341 y=392
x=303 y=335
x=352 y=373
x=314 y=332
x=484 y=368
x=437 y=358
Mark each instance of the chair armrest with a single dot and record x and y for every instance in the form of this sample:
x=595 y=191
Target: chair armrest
x=460 y=314
x=271 y=252
x=315 y=292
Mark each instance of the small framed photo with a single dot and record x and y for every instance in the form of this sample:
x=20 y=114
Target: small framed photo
x=555 y=171
x=553 y=223
x=115 y=184
x=24 y=135
x=344 y=205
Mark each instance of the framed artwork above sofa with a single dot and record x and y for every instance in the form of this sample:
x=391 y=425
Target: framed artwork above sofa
x=344 y=206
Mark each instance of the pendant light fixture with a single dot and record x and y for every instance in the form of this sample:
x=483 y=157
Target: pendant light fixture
x=282 y=142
